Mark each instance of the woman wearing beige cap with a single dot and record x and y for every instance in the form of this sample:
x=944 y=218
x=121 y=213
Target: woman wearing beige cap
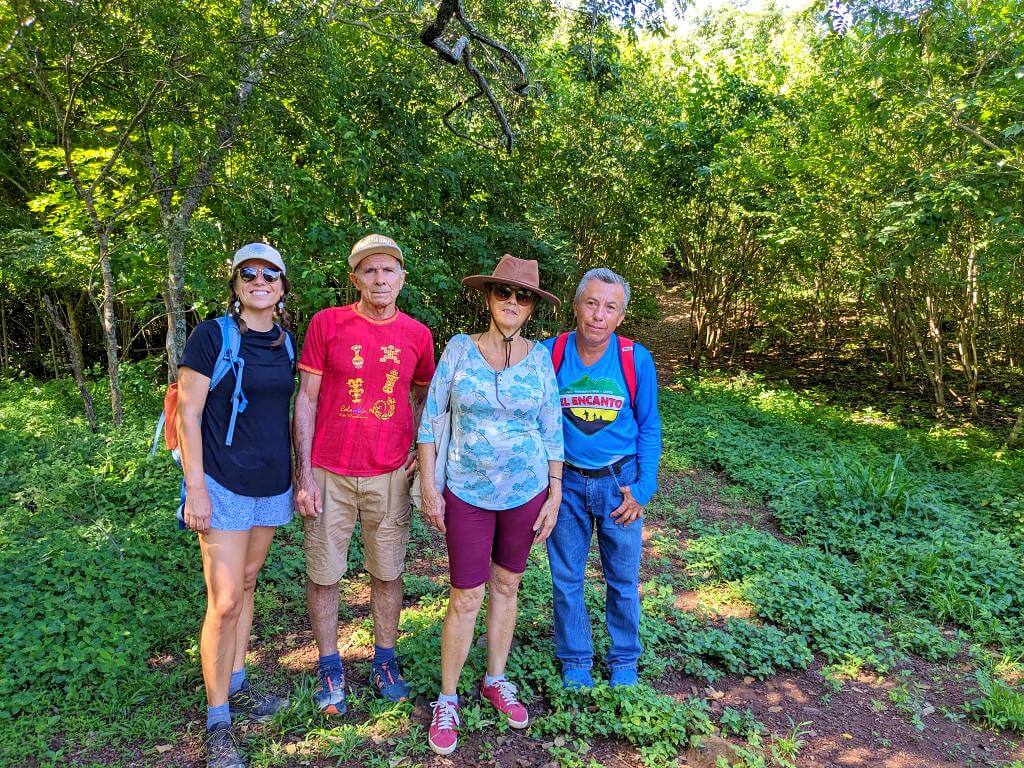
x=502 y=484
x=235 y=386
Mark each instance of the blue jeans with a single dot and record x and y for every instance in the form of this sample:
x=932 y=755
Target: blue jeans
x=587 y=503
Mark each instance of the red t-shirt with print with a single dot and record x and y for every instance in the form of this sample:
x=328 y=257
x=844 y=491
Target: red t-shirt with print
x=364 y=420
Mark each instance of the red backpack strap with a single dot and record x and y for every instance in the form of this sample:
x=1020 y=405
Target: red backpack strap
x=628 y=367
x=558 y=353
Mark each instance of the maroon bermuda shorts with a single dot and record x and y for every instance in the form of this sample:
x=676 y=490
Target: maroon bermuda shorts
x=476 y=537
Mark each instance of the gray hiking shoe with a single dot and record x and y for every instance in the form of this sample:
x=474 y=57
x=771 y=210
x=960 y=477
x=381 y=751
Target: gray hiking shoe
x=254 y=703
x=221 y=751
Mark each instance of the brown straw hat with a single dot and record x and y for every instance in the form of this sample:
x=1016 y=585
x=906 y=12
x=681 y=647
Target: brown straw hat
x=520 y=273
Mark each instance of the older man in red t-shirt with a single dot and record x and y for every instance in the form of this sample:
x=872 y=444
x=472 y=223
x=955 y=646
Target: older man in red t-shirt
x=365 y=370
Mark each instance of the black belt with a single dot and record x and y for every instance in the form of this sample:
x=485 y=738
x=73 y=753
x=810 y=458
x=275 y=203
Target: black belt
x=601 y=471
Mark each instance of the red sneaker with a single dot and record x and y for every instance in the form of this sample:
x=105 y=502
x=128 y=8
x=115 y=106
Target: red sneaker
x=443 y=736
x=503 y=696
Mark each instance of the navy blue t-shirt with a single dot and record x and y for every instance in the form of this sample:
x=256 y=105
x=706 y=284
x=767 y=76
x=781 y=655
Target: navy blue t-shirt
x=258 y=461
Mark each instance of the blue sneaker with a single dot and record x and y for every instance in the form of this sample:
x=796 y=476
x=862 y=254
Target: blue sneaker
x=330 y=699
x=623 y=676
x=576 y=678
x=387 y=679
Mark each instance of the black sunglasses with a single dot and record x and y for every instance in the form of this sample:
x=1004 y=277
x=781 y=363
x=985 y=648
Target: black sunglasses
x=270 y=274
x=505 y=292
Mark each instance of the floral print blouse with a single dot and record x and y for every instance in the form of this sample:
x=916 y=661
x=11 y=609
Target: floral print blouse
x=506 y=425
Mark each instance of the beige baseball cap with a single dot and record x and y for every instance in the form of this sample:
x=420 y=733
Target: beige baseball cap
x=263 y=251
x=372 y=245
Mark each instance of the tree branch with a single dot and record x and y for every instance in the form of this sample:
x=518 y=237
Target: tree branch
x=460 y=53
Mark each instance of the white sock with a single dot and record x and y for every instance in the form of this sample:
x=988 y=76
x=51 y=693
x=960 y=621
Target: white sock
x=444 y=698
x=490 y=680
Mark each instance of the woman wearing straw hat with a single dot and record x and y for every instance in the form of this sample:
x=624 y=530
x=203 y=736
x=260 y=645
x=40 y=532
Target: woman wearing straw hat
x=502 y=487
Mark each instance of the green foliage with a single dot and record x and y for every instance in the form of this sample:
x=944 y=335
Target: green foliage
x=911 y=524
x=744 y=648
x=733 y=722
x=998 y=704
x=104 y=595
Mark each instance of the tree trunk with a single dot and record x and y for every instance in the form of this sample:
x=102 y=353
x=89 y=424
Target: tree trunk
x=74 y=327
x=937 y=373
x=109 y=319
x=968 y=342
x=4 y=351
x=174 y=297
x=75 y=354
x=53 y=346
x=1018 y=427
x=933 y=364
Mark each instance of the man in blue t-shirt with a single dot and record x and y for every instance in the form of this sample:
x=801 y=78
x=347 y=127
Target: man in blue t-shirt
x=612 y=450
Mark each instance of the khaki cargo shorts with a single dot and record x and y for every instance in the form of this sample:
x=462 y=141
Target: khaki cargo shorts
x=382 y=506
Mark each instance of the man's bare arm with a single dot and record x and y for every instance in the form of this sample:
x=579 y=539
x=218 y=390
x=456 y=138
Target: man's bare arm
x=418 y=395
x=307 y=494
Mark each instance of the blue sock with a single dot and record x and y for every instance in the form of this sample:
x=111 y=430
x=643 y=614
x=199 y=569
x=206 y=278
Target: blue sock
x=380 y=655
x=492 y=679
x=445 y=698
x=237 y=681
x=217 y=715
x=334 y=660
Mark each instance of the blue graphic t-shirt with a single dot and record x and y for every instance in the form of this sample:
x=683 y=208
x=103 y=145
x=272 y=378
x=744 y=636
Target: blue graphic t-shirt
x=600 y=423
x=506 y=425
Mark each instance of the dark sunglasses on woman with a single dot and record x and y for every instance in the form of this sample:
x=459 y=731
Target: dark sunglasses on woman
x=270 y=274
x=504 y=293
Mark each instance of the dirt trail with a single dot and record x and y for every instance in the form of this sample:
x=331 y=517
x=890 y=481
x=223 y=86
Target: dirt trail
x=667 y=337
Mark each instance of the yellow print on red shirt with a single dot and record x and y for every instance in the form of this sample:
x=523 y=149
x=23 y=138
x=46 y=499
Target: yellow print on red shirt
x=390 y=354
x=355 y=390
x=389 y=381
x=384 y=409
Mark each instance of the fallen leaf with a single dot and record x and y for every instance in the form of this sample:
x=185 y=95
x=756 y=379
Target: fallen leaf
x=161 y=748
x=775 y=709
x=748 y=680
x=847 y=736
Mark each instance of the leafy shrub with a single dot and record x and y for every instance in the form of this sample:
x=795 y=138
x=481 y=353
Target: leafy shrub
x=733 y=722
x=744 y=648
x=998 y=704
x=804 y=602
x=921 y=637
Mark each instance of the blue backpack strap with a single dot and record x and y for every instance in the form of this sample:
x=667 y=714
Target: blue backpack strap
x=230 y=341
x=288 y=345
x=228 y=360
x=156 y=433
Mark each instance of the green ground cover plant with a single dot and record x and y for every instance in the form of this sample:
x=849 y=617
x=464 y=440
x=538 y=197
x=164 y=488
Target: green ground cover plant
x=914 y=526
x=104 y=596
